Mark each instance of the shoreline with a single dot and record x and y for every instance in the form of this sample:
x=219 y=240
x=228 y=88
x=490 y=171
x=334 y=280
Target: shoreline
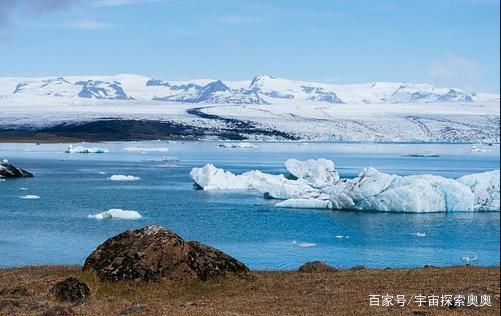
x=58 y=139
x=344 y=292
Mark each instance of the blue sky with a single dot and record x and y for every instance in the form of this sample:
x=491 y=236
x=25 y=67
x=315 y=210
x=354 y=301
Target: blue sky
x=452 y=43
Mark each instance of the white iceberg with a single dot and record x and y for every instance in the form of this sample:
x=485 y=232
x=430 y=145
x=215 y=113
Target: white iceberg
x=116 y=213
x=274 y=186
x=319 y=186
x=485 y=187
x=85 y=150
x=319 y=173
x=237 y=145
x=30 y=197
x=122 y=177
x=147 y=149
x=305 y=203
x=303 y=244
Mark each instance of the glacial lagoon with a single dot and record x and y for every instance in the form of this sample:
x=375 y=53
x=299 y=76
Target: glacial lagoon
x=56 y=228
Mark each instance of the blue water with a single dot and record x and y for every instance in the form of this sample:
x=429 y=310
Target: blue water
x=55 y=229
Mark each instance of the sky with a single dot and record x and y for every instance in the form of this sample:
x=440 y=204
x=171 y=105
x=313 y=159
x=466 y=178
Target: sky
x=449 y=43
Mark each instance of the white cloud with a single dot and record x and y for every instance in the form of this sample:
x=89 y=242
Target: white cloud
x=455 y=71
x=89 y=25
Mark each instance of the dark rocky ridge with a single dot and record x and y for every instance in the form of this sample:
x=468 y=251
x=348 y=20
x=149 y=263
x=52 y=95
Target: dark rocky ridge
x=154 y=253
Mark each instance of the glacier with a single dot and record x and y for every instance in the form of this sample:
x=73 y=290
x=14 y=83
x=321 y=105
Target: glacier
x=264 y=108
x=316 y=184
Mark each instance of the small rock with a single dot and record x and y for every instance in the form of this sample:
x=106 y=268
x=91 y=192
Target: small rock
x=15 y=291
x=135 y=308
x=59 y=311
x=358 y=268
x=22 y=303
x=316 y=267
x=71 y=290
x=420 y=313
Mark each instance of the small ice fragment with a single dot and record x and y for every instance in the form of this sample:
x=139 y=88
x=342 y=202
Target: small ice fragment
x=303 y=244
x=418 y=234
x=121 y=177
x=85 y=150
x=30 y=197
x=116 y=213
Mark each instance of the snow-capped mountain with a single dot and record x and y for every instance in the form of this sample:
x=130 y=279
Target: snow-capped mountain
x=260 y=90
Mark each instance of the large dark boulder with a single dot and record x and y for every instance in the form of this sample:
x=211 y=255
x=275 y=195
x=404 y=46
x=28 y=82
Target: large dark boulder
x=9 y=171
x=154 y=253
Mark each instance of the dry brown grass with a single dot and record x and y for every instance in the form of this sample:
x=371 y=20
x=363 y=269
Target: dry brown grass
x=263 y=293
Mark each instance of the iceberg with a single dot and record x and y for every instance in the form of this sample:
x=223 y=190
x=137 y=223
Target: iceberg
x=319 y=173
x=237 y=145
x=30 y=197
x=273 y=186
x=121 y=177
x=85 y=150
x=485 y=187
x=305 y=203
x=318 y=185
x=116 y=213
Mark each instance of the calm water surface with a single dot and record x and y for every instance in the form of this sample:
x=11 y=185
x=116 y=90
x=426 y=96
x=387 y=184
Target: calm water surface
x=55 y=229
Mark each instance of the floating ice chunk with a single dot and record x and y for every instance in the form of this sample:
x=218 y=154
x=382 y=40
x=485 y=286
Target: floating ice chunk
x=121 y=177
x=274 y=186
x=420 y=235
x=319 y=173
x=376 y=191
x=342 y=237
x=305 y=203
x=30 y=197
x=476 y=149
x=237 y=145
x=101 y=172
x=116 y=213
x=470 y=259
x=303 y=244
x=85 y=150
x=147 y=149
x=318 y=186
x=23 y=189
x=485 y=186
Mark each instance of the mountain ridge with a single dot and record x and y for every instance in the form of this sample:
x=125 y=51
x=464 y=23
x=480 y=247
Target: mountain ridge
x=262 y=89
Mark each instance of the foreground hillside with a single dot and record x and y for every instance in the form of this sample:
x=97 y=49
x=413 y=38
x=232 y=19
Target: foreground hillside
x=23 y=291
